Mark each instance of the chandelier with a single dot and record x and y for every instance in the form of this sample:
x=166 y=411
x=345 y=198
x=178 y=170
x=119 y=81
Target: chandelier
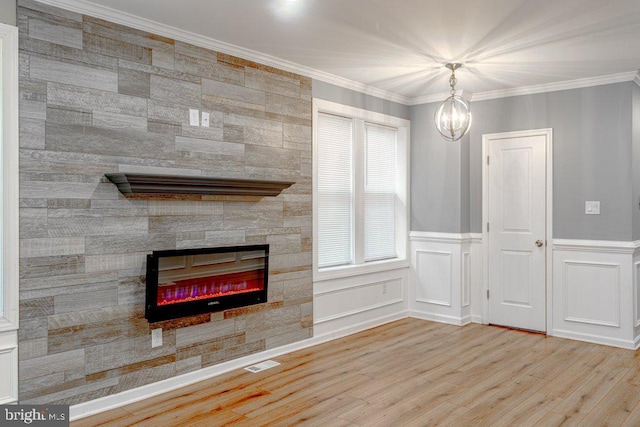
x=453 y=117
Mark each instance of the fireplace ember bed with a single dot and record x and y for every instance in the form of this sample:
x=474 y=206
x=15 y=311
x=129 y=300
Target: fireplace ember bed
x=188 y=282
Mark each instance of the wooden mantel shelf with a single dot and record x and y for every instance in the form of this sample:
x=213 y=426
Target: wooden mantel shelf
x=139 y=183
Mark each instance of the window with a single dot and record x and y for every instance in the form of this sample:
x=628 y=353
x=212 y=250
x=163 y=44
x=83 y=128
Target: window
x=360 y=191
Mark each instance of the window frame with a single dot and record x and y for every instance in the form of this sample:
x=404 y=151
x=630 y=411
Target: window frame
x=360 y=117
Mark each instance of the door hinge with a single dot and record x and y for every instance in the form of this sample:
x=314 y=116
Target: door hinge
x=487 y=160
x=487 y=227
x=487 y=293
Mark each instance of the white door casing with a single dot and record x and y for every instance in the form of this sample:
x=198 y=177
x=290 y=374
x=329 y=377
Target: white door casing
x=516 y=205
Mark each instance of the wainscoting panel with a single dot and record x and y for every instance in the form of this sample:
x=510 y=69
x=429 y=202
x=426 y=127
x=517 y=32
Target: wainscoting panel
x=636 y=294
x=466 y=280
x=433 y=279
x=440 y=282
x=9 y=363
x=593 y=292
x=368 y=300
x=476 y=287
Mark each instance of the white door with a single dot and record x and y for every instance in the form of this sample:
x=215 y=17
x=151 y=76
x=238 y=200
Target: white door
x=516 y=173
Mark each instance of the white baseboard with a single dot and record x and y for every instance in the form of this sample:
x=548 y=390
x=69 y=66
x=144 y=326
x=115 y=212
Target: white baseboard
x=451 y=320
x=595 y=339
x=113 y=401
x=476 y=318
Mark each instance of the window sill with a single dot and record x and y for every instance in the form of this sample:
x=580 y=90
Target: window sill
x=331 y=273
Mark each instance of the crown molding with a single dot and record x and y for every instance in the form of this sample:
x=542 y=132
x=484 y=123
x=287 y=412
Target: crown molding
x=553 y=87
x=439 y=97
x=118 y=17
x=129 y=20
x=428 y=99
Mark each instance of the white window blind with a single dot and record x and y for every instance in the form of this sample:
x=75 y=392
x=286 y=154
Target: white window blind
x=380 y=192
x=334 y=190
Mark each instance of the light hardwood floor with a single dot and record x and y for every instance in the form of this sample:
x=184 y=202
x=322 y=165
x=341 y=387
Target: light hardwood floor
x=413 y=372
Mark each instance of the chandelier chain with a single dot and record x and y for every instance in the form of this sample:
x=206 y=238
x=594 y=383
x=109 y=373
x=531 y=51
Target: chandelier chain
x=452 y=82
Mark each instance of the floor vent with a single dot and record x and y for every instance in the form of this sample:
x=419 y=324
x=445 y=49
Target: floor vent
x=261 y=366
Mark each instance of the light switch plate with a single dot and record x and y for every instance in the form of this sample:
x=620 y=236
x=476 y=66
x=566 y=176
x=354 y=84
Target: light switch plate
x=194 y=117
x=592 y=207
x=205 y=119
x=156 y=337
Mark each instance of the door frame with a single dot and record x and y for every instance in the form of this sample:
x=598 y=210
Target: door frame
x=486 y=140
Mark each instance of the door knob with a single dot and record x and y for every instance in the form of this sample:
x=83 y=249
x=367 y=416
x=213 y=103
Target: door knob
x=539 y=243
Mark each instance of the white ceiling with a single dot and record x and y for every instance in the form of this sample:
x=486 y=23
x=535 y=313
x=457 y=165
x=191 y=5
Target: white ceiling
x=400 y=46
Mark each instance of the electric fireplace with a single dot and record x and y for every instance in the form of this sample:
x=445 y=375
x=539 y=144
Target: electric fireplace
x=187 y=282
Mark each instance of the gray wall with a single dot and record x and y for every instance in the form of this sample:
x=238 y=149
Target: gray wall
x=592 y=131
x=436 y=176
x=8 y=12
x=592 y=155
x=333 y=93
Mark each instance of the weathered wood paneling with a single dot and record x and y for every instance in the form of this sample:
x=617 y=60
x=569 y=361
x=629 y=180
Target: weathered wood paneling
x=97 y=97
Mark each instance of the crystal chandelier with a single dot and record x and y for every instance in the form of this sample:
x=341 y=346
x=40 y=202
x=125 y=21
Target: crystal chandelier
x=453 y=117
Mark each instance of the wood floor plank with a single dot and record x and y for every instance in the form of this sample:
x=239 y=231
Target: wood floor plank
x=416 y=373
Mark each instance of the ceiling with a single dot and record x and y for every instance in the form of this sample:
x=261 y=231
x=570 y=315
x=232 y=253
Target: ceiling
x=400 y=46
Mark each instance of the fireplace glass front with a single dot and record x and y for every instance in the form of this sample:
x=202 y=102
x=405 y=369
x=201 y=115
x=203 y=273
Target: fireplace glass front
x=194 y=281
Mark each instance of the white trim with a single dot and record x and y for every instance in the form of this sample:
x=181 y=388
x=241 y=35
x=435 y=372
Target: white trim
x=9 y=346
x=358 y=310
x=557 y=86
x=601 y=246
x=476 y=319
x=476 y=237
x=332 y=273
x=118 y=17
x=465 y=276
x=9 y=181
x=441 y=318
x=133 y=21
x=565 y=305
x=634 y=285
x=636 y=79
x=366 y=115
x=435 y=237
x=349 y=286
x=596 y=339
x=449 y=255
x=440 y=97
x=106 y=403
x=361 y=116
x=548 y=134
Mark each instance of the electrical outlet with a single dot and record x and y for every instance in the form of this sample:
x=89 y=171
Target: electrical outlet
x=592 y=208
x=156 y=338
x=205 y=119
x=194 y=117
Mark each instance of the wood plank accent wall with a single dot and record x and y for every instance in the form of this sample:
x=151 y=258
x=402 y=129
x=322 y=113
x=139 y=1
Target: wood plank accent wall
x=96 y=98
